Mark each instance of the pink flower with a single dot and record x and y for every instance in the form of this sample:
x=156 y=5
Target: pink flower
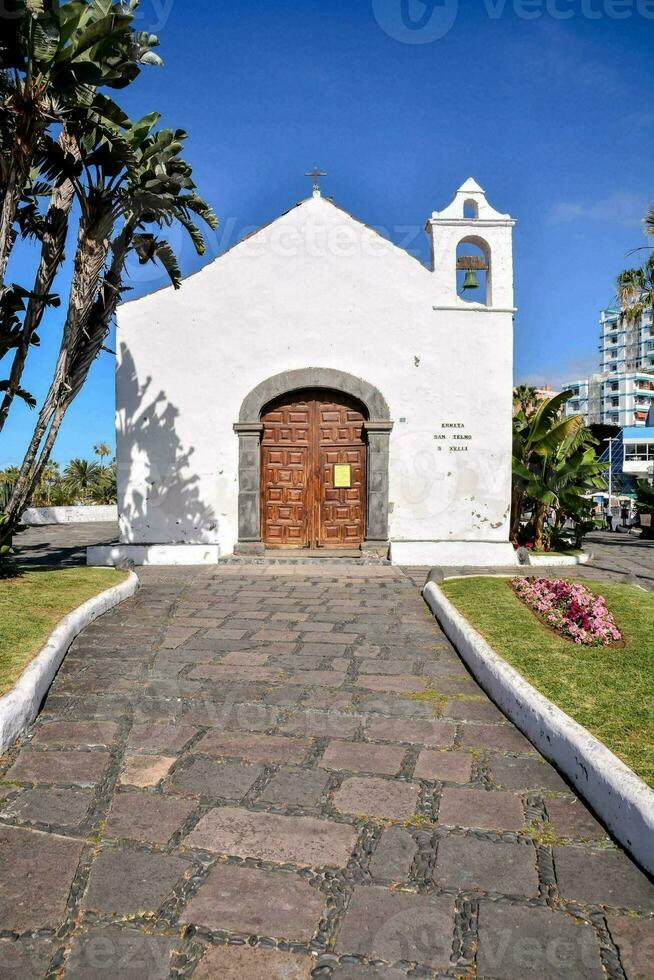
x=570 y=608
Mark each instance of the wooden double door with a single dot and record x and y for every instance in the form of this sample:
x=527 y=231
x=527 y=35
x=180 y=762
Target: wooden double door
x=313 y=472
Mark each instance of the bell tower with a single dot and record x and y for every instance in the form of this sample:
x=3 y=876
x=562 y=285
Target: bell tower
x=472 y=253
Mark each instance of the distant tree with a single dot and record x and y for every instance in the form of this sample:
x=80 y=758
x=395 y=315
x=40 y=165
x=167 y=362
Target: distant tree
x=102 y=450
x=525 y=398
x=636 y=290
x=80 y=479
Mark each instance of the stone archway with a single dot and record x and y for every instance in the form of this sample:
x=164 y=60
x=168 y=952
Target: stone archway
x=249 y=429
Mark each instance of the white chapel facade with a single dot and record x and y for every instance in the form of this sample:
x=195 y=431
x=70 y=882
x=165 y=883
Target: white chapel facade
x=318 y=390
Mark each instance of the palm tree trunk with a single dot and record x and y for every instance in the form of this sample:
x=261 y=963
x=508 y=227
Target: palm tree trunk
x=540 y=512
x=80 y=346
x=517 y=502
x=52 y=256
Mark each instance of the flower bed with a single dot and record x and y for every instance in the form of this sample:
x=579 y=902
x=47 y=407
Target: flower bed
x=570 y=609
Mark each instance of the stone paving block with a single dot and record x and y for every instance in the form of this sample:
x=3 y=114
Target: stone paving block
x=394 y=855
x=269 y=635
x=49 y=805
x=403 y=683
x=245 y=658
x=25 y=959
x=36 y=872
x=313 y=649
x=634 y=939
x=505 y=738
x=526 y=774
x=86 y=733
x=270 y=749
x=446 y=767
x=397 y=926
x=359 y=971
x=118 y=953
x=227 y=672
x=473 y=865
x=604 y=877
x=330 y=724
x=416 y=731
x=299 y=787
x=80 y=768
x=395 y=800
x=271 y=837
x=363 y=757
x=329 y=700
x=464 y=710
x=486 y=810
x=159 y=738
x=393 y=705
x=535 y=944
x=144 y=770
x=146 y=817
x=231 y=715
x=245 y=963
x=209 y=777
x=317 y=678
x=387 y=667
x=570 y=818
x=125 y=880
x=248 y=900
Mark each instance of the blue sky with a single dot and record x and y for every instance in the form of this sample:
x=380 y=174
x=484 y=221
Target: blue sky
x=552 y=114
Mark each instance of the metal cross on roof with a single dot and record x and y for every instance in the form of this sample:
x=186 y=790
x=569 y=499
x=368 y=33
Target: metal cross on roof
x=316 y=174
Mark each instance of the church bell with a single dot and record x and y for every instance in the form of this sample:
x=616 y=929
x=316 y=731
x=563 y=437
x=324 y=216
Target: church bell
x=471 y=281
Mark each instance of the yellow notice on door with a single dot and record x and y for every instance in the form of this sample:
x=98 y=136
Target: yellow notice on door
x=342 y=476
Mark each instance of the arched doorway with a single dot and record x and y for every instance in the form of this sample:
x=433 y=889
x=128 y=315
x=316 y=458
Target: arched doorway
x=313 y=471
x=376 y=431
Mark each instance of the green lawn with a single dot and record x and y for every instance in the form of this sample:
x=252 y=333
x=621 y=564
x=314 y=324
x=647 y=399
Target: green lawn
x=32 y=604
x=608 y=690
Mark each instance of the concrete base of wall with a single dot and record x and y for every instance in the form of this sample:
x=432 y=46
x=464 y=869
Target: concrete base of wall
x=453 y=554
x=153 y=554
x=40 y=516
x=553 y=561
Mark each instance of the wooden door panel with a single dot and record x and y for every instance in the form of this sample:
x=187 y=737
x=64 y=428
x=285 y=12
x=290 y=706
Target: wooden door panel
x=342 y=509
x=304 y=437
x=285 y=512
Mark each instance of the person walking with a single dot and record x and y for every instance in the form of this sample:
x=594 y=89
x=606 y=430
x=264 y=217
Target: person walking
x=608 y=517
x=624 y=515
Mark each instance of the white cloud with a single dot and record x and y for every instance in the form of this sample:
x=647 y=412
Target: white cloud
x=621 y=208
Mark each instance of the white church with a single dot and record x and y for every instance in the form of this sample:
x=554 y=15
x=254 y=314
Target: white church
x=317 y=390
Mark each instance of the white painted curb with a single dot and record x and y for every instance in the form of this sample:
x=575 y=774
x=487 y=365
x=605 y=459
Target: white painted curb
x=20 y=706
x=621 y=800
x=552 y=561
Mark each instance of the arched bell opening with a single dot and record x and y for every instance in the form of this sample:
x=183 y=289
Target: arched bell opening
x=473 y=271
x=470 y=209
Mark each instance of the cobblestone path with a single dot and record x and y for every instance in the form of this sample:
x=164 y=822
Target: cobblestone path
x=272 y=773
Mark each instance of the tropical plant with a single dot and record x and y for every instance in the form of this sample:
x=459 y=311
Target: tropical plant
x=53 y=58
x=555 y=468
x=134 y=181
x=102 y=450
x=525 y=398
x=636 y=291
x=80 y=476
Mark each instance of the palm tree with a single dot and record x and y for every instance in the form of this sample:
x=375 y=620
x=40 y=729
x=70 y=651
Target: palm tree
x=102 y=450
x=112 y=58
x=636 y=290
x=53 y=57
x=80 y=478
x=138 y=176
x=525 y=398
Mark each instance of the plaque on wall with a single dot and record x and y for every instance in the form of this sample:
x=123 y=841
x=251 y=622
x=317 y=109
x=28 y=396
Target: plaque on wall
x=342 y=476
